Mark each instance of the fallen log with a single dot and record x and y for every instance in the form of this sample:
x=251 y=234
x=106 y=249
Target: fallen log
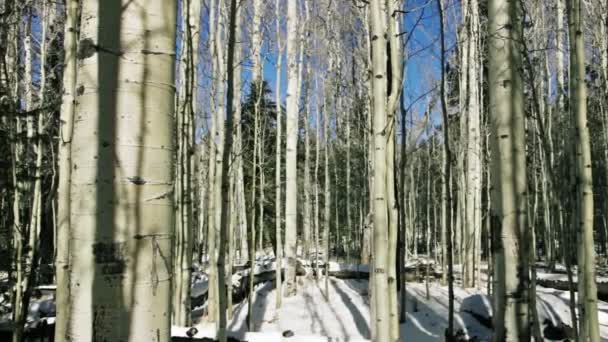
x=562 y=284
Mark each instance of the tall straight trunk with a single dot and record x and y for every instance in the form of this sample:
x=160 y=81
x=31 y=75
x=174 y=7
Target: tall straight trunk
x=237 y=217
x=225 y=177
x=277 y=175
x=291 y=188
x=316 y=178
x=447 y=217
x=349 y=227
x=559 y=51
x=240 y=205
x=307 y=195
x=326 y=191
x=379 y=277
x=511 y=252
x=186 y=109
x=402 y=252
x=262 y=185
x=70 y=46
x=214 y=15
x=120 y=258
x=587 y=294
x=218 y=282
x=473 y=150
x=444 y=217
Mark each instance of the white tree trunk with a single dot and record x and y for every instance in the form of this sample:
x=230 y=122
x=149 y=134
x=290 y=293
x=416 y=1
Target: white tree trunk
x=278 y=204
x=185 y=115
x=587 y=294
x=120 y=257
x=291 y=189
x=70 y=45
x=509 y=167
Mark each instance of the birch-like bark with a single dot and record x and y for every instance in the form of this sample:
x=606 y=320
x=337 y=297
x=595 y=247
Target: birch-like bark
x=220 y=190
x=326 y=192
x=277 y=175
x=446 y=188
x=587 y=294
x=291 y=190
x=120 y=257
x=185 y=114
x=393 y=96
x=240 y=205
x=225 y=177
x=70 y=46
x=473 y=150
x=511 y=252
x=381 y=308
x=214 y=15
x=316 y=179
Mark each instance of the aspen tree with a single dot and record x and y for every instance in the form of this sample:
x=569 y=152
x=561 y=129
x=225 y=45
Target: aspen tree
x=291 y=132
x=326 y=191
x=379 y=277
x=473 y=144
x=120 y=257
x=277 y=203
x=220 y=190
x=214 y=16
x=68 y=103
x=225 y=179
x=446 y=188
x=316 y=177
x=240 y=205
x=185 y=114
x=511 y=296
x=587 y=294
x=393 y=96
x=235 y=155
x=307 y=195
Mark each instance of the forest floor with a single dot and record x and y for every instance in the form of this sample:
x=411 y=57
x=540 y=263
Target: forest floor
x=344 y=314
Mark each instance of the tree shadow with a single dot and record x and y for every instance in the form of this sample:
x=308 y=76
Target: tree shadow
x=359 y=319
x=315 y=318
x=110 y=315
x=260 y=300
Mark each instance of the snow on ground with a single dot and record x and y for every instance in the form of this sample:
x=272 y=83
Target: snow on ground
x=345 y=315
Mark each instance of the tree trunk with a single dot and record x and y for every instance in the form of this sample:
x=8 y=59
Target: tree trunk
x=185 y=115
x=587 y=295
x=291 y=190
x=326 y=192
x=511 y=315
x=381 y=323
x=214 y=15
x=473 y=151
x=277 y=175
x=447 y=227
x=225 y=177
x=70 y=46
x=120 y=257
